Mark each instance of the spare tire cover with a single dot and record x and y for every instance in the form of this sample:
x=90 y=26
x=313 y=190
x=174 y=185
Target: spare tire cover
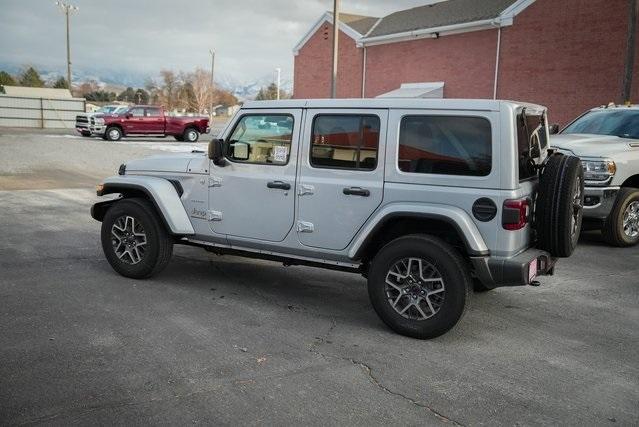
x=560 y=201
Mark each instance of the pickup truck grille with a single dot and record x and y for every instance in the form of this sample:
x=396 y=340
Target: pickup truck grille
x=81 y=119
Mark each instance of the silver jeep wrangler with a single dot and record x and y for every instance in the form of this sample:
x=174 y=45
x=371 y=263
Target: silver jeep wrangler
x=425 y=198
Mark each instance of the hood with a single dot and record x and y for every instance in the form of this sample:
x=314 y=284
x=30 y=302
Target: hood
x=178 y=163
x=589 y=145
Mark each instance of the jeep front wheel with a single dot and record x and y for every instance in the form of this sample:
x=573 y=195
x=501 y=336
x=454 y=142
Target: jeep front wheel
x=419 y=286
x=134 y=240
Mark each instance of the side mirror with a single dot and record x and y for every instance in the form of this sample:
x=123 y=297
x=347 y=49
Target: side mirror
x=216 y=152
x=553 y=129
x=128 y=115
x=240 y=150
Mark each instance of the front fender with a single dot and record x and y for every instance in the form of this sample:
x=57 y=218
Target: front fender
x=457 y=217
x=161 y=192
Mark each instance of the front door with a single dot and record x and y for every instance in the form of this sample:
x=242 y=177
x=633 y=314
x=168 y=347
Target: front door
x=134 y=121
x=253 y=196
x=341 y=175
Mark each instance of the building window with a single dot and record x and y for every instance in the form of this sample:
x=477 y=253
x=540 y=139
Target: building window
x=446 y=145
x=345 y=141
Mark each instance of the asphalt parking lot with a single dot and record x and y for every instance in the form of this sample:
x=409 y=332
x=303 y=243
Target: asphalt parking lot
x=228 y=340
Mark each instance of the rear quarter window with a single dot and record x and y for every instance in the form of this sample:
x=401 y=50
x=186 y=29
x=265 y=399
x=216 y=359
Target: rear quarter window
x=445 y=145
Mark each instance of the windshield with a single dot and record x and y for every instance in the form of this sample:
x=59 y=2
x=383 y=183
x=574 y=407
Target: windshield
x=107 y=109
x=621 y=123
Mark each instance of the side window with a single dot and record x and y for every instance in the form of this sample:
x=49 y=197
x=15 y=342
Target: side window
x=531 y=138
x=263 y=139
x=345 y=141
x=153 y=112
x=447 y=145
x=137 y=112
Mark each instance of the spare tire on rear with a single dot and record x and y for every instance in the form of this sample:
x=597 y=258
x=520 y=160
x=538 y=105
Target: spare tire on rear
x=560 y=202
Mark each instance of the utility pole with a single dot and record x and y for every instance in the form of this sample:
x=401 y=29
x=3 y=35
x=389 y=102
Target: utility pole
x=67 y=9
x=212 y=52
x=630 y=52
x=335 y=47
x=279 y=81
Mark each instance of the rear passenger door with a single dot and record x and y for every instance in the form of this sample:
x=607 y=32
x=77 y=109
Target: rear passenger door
x=341 y=175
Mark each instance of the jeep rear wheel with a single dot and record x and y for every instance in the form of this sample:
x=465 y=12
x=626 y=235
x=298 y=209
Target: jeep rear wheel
x=621 y=228
x=134 y=240
x=419 y=286
x=559 y=212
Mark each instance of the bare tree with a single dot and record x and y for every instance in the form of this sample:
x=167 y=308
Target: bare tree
x=203 y=90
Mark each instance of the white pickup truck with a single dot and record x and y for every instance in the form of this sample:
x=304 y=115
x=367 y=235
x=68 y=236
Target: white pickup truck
x=607 y=141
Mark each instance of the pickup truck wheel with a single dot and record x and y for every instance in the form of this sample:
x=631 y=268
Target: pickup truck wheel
x=134 y=240
x=560 y=202
x=190 y=135
x=621 y=228
x=113 y=133
x=419 y=286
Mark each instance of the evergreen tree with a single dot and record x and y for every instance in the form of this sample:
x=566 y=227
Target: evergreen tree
x=127 y=95
x=141 y=97
x=6 y=79
x=61 y=83
x=31 y=78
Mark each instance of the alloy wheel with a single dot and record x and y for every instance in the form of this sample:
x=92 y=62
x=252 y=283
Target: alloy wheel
x=128 y=239
x=631 y=220
x=415 y=288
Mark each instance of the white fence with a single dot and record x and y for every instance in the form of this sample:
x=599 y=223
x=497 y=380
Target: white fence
x=21 y=111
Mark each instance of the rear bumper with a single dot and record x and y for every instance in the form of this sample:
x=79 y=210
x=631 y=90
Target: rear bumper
x=494 y=272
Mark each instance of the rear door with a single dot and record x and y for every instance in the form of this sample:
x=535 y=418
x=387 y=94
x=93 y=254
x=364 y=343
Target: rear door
x=253 y=196
x=341 y=174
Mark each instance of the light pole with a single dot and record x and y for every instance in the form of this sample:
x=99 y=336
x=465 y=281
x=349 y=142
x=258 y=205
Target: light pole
x=279 y=81
x=67 y=9
x=212 y=53
x=335 y=47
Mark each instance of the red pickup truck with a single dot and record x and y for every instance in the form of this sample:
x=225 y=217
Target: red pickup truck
x=149 y=120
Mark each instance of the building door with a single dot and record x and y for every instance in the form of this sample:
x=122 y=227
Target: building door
x=341 y=175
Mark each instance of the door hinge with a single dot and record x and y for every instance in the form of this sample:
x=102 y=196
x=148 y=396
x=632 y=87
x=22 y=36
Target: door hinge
x=305 y=227
x=215 y=181
x=215 y=215
x=305 y=189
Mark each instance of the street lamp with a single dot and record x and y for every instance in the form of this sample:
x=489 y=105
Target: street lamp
x=212 y=53
x=68 y=9
x=279 y=80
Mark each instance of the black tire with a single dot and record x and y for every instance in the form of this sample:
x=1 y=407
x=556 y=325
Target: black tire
x=190 y=135
x=613 y=227
x=560 y=202
x=113 y=133
x=178 y=138
x=157 y=250
x=447 y=264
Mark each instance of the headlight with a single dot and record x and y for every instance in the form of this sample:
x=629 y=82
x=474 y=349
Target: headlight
x=598 y=172
x=99 y=121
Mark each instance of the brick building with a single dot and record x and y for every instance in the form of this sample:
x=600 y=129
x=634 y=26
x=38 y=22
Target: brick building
x=569 y=55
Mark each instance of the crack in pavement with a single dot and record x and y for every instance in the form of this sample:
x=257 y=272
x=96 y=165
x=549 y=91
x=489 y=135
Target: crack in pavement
x=374 y=380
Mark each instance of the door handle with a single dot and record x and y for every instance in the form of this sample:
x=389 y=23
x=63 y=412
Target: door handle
x=357 y=191
x=279 y=184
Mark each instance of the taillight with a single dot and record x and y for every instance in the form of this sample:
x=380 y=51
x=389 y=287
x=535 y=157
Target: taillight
x=515 y=214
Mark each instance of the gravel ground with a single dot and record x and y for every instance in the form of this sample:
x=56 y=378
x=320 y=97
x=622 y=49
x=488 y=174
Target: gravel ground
x=227 y=340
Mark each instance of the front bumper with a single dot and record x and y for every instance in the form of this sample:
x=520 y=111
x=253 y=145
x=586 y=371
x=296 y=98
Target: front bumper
x=494 y=272
x=599 y=201
x=92 y=129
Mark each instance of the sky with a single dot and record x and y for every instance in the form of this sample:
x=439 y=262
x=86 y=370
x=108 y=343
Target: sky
x=250 y=37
